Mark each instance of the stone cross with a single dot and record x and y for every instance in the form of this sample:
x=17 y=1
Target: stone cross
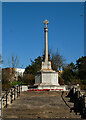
x=46 y=22
x=46 y=40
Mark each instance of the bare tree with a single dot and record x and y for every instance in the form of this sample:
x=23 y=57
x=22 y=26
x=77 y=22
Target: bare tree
x=57 y=61
x=13 y=62
x=1 y=61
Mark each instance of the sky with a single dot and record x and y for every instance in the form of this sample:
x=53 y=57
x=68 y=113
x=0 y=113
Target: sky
x=23 y=30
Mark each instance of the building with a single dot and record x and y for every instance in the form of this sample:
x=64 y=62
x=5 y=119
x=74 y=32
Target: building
x=11 y=74
x=19 y=72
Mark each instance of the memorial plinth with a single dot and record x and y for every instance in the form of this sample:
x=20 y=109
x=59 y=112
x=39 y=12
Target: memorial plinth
x=46 y=78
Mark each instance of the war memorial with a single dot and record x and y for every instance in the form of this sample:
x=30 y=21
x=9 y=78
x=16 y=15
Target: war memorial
x=47 y=78
x=57 y=103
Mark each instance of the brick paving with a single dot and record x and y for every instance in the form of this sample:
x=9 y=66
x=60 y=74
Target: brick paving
x=39 y=105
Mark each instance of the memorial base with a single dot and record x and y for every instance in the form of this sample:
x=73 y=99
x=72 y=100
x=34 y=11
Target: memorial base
x=47 y=79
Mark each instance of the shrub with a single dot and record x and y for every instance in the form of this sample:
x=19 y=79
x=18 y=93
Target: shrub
x=6 y=86
x=29 y=79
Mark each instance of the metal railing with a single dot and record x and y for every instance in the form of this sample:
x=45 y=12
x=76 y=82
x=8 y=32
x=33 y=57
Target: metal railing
x=11 y=95
x=79 y=101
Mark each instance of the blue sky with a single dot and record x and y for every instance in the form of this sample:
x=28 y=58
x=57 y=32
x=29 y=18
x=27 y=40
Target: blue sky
x=23 y=30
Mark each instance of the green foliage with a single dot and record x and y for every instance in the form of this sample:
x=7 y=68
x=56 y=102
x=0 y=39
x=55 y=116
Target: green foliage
x=67 y=76
x=16 y=83
x=19 y=78
x=72 y=73
x=81 y=67
x=76 y=81
x=34 y=67
x=83 y=82
x=5 y=77
x=83 y=87
x=57 y=62
x=71 y=66
x=60 y=79
x=6 y=86
x=76 y=73
x=5 y=80
x=69 y=73
x=28 y=79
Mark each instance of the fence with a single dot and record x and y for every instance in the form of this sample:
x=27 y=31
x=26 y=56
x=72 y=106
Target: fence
x=11 y=95
x=79 y=101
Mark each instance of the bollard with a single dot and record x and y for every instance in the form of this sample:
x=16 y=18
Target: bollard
x=14 y=93
x=17 y=91
x=6 y=99
x=84 y=109
x=77 y=95
x=11 y=96
x=3 y=103
x=21 y=86
x=79 y=102
x=83 y=103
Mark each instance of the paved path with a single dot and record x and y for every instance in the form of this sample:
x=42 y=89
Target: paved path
x=33 y=104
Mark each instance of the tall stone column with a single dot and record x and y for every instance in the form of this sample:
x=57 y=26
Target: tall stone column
x=46 y=64
x=46 y=39
x=46 y=78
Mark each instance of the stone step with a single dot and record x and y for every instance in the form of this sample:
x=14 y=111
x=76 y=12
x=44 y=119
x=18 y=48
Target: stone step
x=39 y=104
